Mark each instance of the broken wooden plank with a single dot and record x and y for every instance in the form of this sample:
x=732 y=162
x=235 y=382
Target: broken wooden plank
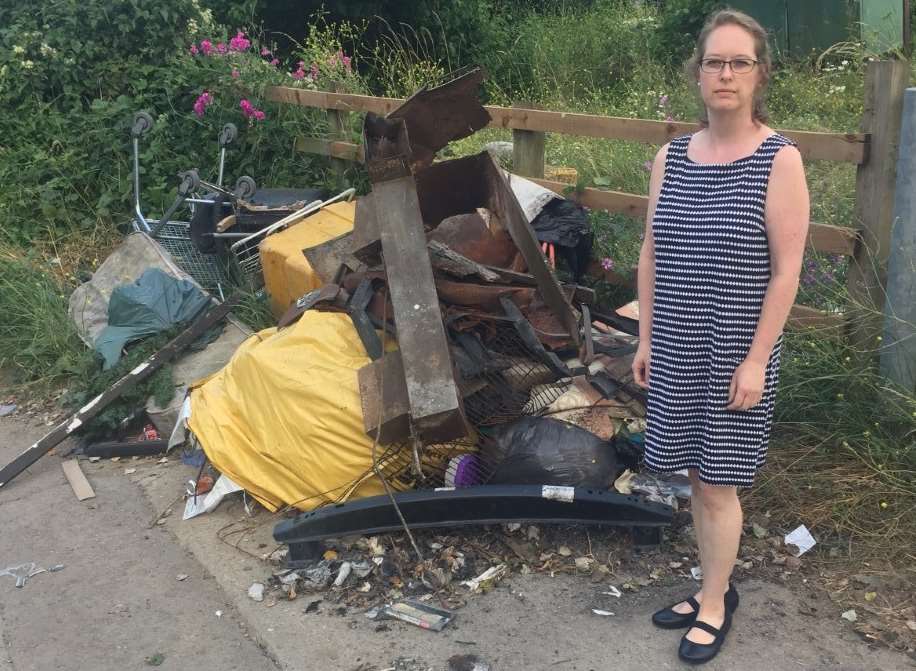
x=449 y=261
x=32 y=454
x=434 y=403
x=77 y=479
x=382 y=383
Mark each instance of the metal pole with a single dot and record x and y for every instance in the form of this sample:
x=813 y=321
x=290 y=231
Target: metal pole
x=898 y=356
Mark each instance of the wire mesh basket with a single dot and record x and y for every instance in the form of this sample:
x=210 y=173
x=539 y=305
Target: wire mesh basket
x=208 y=270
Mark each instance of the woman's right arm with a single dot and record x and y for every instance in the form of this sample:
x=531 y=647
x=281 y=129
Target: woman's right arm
x=645 y=275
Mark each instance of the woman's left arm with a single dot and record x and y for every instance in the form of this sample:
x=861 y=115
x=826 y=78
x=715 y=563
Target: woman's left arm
x=787 y=212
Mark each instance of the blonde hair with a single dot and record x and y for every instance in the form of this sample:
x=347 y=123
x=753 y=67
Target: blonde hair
x=731 y=17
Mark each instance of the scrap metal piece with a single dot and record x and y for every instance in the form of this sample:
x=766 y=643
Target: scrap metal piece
x=465 y=184
x=530 y=339
x=367 y=243
x=327 y=258
x=329 y=293
x=470 y=235
x=365 y=329
x=483 y=504
x=144 y=370
x=439 y=115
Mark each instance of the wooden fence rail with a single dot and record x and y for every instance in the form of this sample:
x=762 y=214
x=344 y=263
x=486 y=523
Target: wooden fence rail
x=872 y=149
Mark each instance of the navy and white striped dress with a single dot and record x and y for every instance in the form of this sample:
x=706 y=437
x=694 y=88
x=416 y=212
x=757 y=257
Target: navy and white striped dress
x=712 y=267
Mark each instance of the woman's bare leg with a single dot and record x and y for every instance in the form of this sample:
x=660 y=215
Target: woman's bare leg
x=719 y=540
x=696 y=512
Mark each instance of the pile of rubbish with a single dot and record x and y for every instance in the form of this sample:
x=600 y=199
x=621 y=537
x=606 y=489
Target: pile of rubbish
x=428 y=368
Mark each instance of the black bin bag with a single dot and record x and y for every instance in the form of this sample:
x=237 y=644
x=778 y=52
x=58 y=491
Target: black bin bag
x=540 y=450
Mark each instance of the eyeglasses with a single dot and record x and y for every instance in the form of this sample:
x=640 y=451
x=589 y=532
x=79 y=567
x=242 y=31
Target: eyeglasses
x=740 y=66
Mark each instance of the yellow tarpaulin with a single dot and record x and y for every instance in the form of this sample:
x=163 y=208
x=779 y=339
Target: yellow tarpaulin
x=283 y=419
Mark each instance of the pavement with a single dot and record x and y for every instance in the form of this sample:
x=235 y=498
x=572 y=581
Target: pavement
x=118 y=603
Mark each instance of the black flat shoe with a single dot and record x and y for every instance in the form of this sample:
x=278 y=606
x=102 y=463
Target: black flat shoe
x=699 y=653
x=667 y=618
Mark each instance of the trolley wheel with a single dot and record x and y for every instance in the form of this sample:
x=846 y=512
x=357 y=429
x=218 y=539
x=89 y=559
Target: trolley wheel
x=228 y=134
x=142 y=123
x=245 y=187
x=190 y=182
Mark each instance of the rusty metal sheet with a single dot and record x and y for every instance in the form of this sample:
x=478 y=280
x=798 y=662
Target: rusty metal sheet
x=367 y=244
x=482 y=296
x=469 y=235
x=436 y=116
x=463 y=185
x=326 y=258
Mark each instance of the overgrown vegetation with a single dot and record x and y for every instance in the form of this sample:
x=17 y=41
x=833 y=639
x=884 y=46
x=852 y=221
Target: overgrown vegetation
x=72 y=74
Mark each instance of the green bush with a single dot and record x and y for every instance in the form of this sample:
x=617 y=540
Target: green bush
x=75 y=74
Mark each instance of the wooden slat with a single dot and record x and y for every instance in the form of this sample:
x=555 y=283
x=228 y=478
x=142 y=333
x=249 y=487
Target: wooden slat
x=825 y=238
x=331 y=148
x=804 y=317
x=844 y=147
x=822 y=237
x=77 y=479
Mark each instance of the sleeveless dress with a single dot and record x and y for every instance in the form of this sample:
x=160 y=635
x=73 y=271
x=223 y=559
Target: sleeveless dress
x=712 y=267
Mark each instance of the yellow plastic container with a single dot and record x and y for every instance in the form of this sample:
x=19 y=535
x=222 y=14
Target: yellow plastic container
x=287 y=273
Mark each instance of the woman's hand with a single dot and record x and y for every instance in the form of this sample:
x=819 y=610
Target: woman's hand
x=640 y=365
x=747 y=384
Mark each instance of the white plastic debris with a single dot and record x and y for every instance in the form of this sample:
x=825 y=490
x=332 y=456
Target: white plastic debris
x=204 y=504
x=850 y=615
x=256 y=592
x=488 y=578
x=697 y=573
x=605 y=613
x=613 y=591
x=343 y=574
x=800 y=538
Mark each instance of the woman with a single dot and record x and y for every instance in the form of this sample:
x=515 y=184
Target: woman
x=718 y=273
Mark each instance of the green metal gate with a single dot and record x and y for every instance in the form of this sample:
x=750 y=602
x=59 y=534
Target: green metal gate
x=798 y=27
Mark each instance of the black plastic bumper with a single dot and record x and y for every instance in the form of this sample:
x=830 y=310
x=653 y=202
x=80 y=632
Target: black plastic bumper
x=485 y=504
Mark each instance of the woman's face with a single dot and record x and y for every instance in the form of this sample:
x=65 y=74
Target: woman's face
x=724 y=90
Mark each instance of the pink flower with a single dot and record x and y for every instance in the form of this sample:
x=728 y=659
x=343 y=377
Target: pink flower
x=221 y=47
x=663 y=101
x=298 y=74
x=648 y=166
x=275 y=62
x=194 y=50
x=346 y=62
x=239 y=42
x=607 y=263
x=265 y=51
x=669 y=118
x=235 y=73
x=203 y=101
x=250 y=111
x=206 y=47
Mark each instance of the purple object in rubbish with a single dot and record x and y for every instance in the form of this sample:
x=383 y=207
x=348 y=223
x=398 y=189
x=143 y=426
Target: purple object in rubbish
x=463 y=471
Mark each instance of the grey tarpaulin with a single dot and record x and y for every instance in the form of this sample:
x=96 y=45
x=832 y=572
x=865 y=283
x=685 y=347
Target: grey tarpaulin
x=152 y=304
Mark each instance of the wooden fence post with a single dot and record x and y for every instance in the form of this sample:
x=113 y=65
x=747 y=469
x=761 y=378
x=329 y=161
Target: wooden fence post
x=885 y=82
x=338 y=123
x=898 y=356
x=528 y=150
